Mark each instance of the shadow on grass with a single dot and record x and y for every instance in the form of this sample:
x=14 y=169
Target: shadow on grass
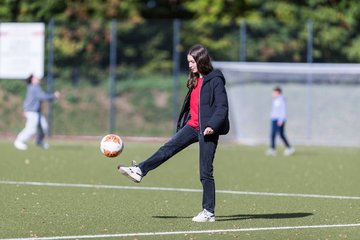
x=248 y=216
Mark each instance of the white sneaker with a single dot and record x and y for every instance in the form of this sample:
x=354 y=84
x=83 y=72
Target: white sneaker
x=289 y=151
x=20 y=145
x=134 y=172
x=204 y=216
x=270 y=152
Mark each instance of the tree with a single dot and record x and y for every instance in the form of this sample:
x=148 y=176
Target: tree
x=277 y=29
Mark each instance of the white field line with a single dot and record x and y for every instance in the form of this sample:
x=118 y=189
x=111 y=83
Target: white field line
x=49 y=184
x=188 y=232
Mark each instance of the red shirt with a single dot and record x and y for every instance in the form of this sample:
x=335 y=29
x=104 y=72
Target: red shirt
x=194 y=105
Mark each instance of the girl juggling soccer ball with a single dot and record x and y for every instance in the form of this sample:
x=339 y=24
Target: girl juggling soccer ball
x=204 y=116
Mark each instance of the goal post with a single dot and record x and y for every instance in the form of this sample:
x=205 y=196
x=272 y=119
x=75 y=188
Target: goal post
x=323 y=101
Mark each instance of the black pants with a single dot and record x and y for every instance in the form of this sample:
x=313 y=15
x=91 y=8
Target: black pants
x=40 y=134
x=183 y=138
x=275 y=129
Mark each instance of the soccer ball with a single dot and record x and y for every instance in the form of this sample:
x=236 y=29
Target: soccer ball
x=111 y=145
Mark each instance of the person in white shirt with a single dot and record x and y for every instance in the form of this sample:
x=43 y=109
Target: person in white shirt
x=278 y=119
x=35 y=120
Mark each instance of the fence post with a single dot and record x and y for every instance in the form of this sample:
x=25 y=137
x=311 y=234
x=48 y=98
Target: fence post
x=50 y=79
x=112 y=75
x=242 y=49
x=309 y=59
x=176 y=68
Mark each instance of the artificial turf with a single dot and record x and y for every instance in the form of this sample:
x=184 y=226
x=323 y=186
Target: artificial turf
x=47 y=211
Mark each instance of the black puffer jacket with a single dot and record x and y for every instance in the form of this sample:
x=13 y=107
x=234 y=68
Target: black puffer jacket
x=213 y=109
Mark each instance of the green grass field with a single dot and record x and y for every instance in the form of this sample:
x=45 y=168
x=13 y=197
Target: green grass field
x=92 y=211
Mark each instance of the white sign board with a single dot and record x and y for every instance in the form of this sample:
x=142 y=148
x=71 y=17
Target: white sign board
x=21 y=50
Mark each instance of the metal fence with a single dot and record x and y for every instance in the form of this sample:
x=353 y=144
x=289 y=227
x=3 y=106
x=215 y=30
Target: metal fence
x=137 y=71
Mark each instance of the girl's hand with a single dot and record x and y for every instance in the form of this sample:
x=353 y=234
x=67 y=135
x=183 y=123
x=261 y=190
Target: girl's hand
x=208 y=131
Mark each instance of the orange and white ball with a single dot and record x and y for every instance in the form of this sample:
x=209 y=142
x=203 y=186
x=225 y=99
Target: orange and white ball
x=111 y=145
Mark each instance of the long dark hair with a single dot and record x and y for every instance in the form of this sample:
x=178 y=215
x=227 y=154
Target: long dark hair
x=203 y=62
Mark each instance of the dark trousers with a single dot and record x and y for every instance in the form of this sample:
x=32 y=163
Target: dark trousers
x=183 y=138
x=40 y=134
x=275 y=129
